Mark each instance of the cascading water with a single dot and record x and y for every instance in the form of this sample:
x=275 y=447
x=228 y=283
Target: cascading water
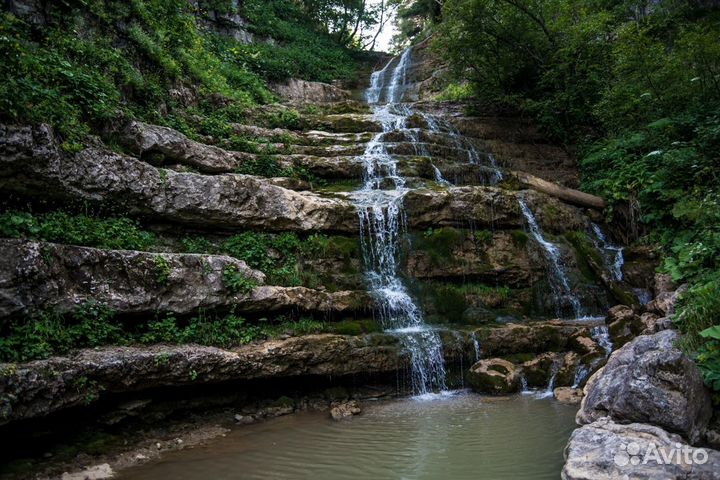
x=559 y=281
x=380 y=207
x=476 y=346
x=612 y=254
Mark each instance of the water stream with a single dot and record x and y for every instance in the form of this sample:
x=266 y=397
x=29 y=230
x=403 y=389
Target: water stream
x=380 y=208
x=612 y=254
x=558 y=278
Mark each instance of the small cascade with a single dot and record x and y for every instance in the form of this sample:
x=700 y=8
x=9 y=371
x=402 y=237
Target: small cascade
x=439 y=177
x=559 y=281
x=438 y=125
x=524 y=389
x=380 y=209
x=476 y=346
x=581 y=373
x=601 y=335
x=612 y=254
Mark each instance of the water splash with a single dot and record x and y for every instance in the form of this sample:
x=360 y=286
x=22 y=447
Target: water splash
x=379 y=204
x=558 y=279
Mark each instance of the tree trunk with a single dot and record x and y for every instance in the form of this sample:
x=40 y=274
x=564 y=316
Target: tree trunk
x=569 y=195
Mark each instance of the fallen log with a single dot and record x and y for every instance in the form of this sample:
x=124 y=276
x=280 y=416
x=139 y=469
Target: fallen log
x=569 y=195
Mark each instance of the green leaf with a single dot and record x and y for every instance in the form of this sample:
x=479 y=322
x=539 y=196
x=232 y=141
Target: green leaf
x=712 y=332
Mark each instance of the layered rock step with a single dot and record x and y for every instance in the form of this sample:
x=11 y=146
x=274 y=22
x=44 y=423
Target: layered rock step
x=34 y=166
x=42 y=387
x=37 y=276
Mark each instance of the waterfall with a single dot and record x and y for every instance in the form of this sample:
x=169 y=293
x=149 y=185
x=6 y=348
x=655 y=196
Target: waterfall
x=559 y=281
x=612 y=254
x=439 y=125
x=379 y=203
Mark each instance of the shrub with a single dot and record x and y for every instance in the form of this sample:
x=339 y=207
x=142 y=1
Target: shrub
x=107 y=233
x=236 y=282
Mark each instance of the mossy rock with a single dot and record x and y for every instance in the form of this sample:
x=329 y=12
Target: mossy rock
x=355 y=327
x=588 y=259
x=283 y=402
x=494 y=376
x=519 y=238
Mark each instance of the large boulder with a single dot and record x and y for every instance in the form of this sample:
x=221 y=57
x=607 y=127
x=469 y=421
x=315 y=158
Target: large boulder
x=605 y=450
x=160 y=145
x=649 y=380
x=494 y=376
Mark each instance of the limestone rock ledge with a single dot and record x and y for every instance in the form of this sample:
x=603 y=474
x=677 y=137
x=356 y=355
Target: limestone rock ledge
x=36 y=276
x=32 y=164
x=44 y=386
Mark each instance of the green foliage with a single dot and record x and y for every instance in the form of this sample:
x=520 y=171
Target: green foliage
x=76 y=229
x=226 y=332
x=236 y=282
x=708 y=358
x=584 y=67
x=90 y=325
x=440 y=242
x=162 y=270
x=300 y=50
x=355 y=327
x=302 y=326
x=450 y=303
x=519 y=238
x=456 y=92
x=483 y=237
x=287 y=118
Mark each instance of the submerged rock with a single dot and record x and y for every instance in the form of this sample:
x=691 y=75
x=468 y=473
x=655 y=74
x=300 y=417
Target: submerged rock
x=608 y=450
x=495 y=376
x=568 y=395
x=345 y=410
x=649 y=380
